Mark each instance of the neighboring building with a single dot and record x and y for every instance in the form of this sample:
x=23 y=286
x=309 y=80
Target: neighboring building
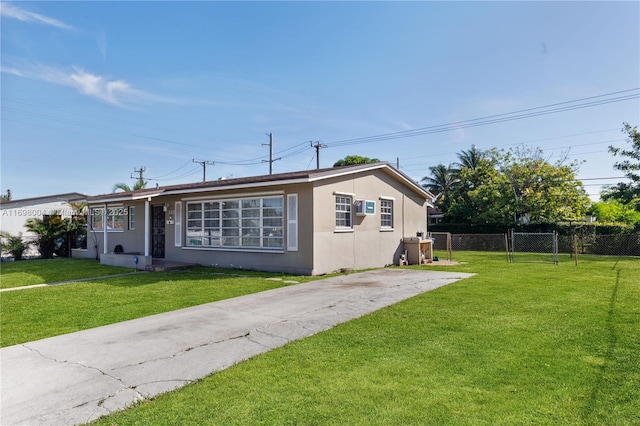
x=435 y=215
x=14 y=213
x=309 y=222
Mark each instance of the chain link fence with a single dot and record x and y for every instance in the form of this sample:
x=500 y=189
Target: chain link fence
x=586 y=244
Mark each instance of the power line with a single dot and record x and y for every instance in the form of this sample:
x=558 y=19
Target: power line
x=426 y=164
x=496 y=118
x=539 y=140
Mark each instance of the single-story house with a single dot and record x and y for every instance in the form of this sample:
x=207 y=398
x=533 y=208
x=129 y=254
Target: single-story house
x=15 y=213
x=309 y=222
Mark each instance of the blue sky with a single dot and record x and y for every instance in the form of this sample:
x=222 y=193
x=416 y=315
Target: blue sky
x=91 y=91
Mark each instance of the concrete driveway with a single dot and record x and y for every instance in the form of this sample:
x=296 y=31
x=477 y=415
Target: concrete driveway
x=78 y=377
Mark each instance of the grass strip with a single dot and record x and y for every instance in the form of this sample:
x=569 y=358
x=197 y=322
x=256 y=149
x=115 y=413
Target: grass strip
x=41 y=271
x=45 y=312
x=529 y=344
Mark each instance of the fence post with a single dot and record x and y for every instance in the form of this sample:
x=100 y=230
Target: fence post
x=506 y=247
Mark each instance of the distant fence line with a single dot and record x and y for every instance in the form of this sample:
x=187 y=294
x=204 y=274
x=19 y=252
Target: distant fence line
x=608 y=245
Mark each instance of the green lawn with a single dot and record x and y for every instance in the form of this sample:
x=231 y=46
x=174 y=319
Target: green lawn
x=34 y=314
x=527 y=344
x=30 y=272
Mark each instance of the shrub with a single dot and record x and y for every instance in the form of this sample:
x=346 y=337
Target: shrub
x=14 y=245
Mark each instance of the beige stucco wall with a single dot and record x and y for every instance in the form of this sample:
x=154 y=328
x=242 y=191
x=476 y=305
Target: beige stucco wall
x=367 y=245
x=297 y=262
x=131 y=240
x=321 y=248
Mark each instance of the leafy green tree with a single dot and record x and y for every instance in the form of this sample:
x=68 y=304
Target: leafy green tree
x=354 y=159
x=514 y=186
x=626 y=192
x=15 y=245
x=479 y=196
x=617 y=211
x=543 y=192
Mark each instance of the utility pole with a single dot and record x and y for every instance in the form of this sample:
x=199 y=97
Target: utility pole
x=271 y=159
x=204 y=164
x=318 y=145
x=140 y=177
x=398 y=163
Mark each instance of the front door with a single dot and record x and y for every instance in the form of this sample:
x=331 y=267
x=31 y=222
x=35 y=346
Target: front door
x=157 y=232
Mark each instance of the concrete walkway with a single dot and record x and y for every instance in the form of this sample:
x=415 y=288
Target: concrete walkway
x=78 y=377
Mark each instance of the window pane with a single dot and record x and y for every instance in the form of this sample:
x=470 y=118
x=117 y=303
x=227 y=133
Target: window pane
x=232 y=232
x=231 y=241
x=272 y=222
x=230 y=223
x=251 y=213
x=250 y=223
x=273 y=202
x=251 y=204
x=231 y=204
x=250 y=241
x=273 y=242
x=96 y=219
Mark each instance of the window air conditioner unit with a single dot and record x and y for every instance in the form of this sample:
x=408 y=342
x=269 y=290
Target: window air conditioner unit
x=365 y=207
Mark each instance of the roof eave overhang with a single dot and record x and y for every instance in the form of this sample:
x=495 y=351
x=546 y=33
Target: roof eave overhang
x=237 y=186
x=129 y=196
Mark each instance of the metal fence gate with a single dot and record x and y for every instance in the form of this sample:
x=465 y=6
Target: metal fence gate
x=539 y=247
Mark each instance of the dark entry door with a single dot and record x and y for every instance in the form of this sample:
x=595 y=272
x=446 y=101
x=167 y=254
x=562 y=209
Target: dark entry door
x=157 y=232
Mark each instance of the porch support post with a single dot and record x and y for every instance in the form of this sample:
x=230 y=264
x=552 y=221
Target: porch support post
x=105 y=221
x=147 y=226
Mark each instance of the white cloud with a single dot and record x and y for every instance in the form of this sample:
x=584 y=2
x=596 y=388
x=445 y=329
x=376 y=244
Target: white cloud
x=115 y=92
x=11 y=11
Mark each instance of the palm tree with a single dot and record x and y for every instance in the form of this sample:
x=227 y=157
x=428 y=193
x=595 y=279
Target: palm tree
x=471 y=159
x=442 y=180
x=50 y=233
x=140 y=184
x=14 y=245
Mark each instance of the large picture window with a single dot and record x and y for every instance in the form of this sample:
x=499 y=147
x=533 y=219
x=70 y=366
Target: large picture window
x=243 y=223
x=343 y=211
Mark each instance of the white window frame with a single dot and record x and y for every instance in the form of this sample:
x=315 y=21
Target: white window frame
x=219 y=225
x=132 y=218
x=343 y=206
x=109 y=218
x=386 y=210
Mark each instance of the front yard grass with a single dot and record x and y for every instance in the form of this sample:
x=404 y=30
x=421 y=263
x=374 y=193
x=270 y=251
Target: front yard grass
x=533 y=344
x=33 y=314
x=30 y=272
